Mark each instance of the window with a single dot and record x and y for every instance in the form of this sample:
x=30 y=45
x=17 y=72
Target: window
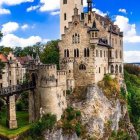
x=104 y=53
x=86 y=52
x=65 y=16
x=120 y=43
x=81 y=2
x=99 y=70
x=82 y=67
x=116 y=41
x=76 y=52
x=66 y=53
x=94 y=34
x=97 y=53
x=64 y=1
x=100 y=53
x=75 y=38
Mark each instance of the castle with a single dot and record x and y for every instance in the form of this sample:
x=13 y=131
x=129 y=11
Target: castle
x=90 y=47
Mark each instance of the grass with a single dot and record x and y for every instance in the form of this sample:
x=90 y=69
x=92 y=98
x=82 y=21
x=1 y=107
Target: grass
x=23 y=124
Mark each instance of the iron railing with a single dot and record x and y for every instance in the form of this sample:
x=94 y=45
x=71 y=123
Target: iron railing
x=16 y=89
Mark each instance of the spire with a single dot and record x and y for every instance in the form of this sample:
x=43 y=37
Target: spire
x=89 y=2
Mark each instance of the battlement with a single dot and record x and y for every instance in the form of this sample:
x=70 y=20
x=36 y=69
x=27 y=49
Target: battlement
x=48 y=67
x=60 y=72
x=67 y=60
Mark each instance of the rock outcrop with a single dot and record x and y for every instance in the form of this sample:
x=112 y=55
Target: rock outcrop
x=97 y=112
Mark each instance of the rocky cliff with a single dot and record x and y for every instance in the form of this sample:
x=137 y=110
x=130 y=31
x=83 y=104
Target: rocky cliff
x=100 y=117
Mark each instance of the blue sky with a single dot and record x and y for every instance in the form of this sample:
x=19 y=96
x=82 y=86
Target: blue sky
x=25 y=22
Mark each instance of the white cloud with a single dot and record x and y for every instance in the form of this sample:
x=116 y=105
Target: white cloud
x=14 y=2
x=13 y=40
x=10 y=3
x=9 y=27
x=99 y=12
x=130 y=33
x=33 y=8
x=25 y=26
x=4 y=11
x=49 y=5
x=131 y=56
x=55 y=13
x=123 y=11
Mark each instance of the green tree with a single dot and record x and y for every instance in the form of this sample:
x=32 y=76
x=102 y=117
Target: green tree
x=50 y=55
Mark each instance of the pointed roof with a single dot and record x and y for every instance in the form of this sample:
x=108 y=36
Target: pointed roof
x=94 y=28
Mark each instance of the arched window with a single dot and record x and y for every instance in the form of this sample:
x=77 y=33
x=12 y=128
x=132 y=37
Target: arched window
x=67 y=53
x=78 y=38
x=76 y=41
x=116 y=69
x=110 y=54
x=76 y=52
x=86 y=52
x=120 y=69
x=104 y=70
x=82 y=67
x=112 y=69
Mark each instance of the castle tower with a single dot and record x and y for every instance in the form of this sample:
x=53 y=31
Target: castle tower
x=66 y=12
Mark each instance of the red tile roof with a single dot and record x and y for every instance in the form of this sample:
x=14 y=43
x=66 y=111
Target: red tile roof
x=3 y=58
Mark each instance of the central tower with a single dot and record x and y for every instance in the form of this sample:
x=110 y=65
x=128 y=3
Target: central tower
x=66 y=12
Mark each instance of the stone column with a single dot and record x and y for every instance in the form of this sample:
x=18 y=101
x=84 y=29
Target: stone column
x=31 y=107
x=11 y=112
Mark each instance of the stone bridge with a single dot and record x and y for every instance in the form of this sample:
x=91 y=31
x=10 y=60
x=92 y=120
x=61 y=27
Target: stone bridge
x=8 y=94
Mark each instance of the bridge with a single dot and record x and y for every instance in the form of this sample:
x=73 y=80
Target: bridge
x=16 y=89
x=8 y=94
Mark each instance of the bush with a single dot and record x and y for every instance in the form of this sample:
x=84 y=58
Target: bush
x=47 y=122
x=78 y=129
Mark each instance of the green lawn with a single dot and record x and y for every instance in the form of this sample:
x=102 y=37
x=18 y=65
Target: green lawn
x=23 y=124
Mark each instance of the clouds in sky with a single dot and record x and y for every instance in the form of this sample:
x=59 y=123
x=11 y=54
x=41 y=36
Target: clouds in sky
x=10 y=39
x=10 y=3
x=130 y=33
x=123 y=11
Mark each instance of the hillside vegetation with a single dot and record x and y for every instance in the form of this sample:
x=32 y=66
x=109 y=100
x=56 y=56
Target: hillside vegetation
x=132 y=80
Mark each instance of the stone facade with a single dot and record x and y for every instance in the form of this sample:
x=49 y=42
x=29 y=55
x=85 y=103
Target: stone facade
x=90 y=47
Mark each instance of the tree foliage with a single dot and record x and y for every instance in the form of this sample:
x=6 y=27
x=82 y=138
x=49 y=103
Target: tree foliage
x=132 y=81
x=50 y=55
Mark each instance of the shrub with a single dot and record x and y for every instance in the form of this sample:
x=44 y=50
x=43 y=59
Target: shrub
x=78 y=129
x=47 y=122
